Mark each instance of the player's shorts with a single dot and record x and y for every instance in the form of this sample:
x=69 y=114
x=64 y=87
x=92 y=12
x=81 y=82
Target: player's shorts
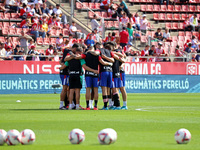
x=116 y=83
x=91 y=81
x=105 y=79
x=75 y=81
x=64 y=79
x=122 y=76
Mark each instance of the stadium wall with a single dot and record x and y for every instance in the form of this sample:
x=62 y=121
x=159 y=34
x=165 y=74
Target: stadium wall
x=18 y=77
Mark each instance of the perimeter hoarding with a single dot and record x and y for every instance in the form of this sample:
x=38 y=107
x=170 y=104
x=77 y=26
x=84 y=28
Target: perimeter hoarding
x=18 y=77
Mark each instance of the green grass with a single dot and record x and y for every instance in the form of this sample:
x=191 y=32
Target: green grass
x=152 y=128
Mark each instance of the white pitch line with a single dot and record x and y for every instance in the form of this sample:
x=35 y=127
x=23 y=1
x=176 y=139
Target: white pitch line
x=141 y=109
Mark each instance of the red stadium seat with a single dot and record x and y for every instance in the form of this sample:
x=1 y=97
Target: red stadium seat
x=6 y=24
x=1 y=25
x=168 y=25
x=18 y=31
x=184 y=16
x=162 y=16
x=12 y=31
x=195 y=34
x=175 y=26
x=91 y=14
x=99 y=14
x=185 y=8
x=7 y=16
x=163 y=8
x=143 y=7
x=155 y=16
x=106 y=24
x=190 y=15
x=116 y=24
x=1 y=15
x=65 y=32
x=79 y=5
x=174 y=38
x=156 y=8
x=187 y=33
x=53 y=32
x=198 y=8
x=26 y=30
x=169 y=17
x=177 y=17
x=110 y=24
x=143 y=39
x=149 y=8
x=192 y=8
x=15 y=16
x=181 y=33
x=104 y=14
x=85 y=5
x=97 y=5
x=53 y=41
x=143 y=1
x=15 y=41
x=170 y=8
x=5 y=30
x=47 y=41
x=181 y=26
x=58 y=32
x=177 y=8
x=91 y=5
x=2 y=39
x=40 y=41
x=181 y=38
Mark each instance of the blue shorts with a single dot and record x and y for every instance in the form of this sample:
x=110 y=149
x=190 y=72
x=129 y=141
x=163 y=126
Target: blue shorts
x=64 y=79
x=105 y=79
x=122 y=76
x=91 y=81
x=116 y=83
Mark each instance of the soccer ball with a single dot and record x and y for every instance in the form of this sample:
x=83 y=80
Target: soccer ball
x=28 y=137
x=13 y=137
x=182 y=136
x=107 y=136
x=76 y=136
x=3 y=134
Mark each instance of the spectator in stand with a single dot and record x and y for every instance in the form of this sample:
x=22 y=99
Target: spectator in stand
x=105 y=4
x=145 y=52
x=158 y=34
x=49 y=52
x=132 y=20
x=38 y=9
x=188 y=49
x=128 y=49
x=77 y=33
x=40 y=2
x=14 y=5
x=124 y=20
x=151 y=53
x=160 y=52
x=25 y=23
x=124 y=37
x=20 y=57
x=31 y=10
x=31 y=43
x=179 y=53
x=143 y=24
x=193 y=59
x=9 y=52
x=35 y=18
x=90 y=42
x=166 y=36
x=186 y=25
x=58 y=20
x=194 y=42
x=23 y=39
x=45 y=26
x=57 y=11
x=70 y=40
x=137 y=21
x=16 y=50
x=37 y=30
x=114 y=38
x=112 y=12
x=23 y=11
x=108 y=38
x=198 y=55
x=161 y=2
x=130 y=31
x=186 y=44
x=94 y=23
x=124 y=7
x=96 y=35
x=59 y=42
x=8 y=43
x=194 y=22
x=45 y=9
x=2 y=51
x=55 y=56
x=51 y=10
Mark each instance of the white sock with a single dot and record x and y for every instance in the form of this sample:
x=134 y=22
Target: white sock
x=124 y=103
x=70 y=106
x=91 y=103
x=73 y=104
x=61 y=104
x=110 y=102
x=77 y=106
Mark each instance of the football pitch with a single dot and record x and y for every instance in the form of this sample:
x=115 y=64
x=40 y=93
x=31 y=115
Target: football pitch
x=149 y=124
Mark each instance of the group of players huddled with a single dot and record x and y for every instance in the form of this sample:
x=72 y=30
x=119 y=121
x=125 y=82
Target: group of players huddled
x=103 y=66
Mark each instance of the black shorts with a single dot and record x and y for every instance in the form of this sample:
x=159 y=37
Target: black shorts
x=75 y=81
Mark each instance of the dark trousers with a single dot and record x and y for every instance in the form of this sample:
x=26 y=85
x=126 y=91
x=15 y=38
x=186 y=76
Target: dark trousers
x=123 y=45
